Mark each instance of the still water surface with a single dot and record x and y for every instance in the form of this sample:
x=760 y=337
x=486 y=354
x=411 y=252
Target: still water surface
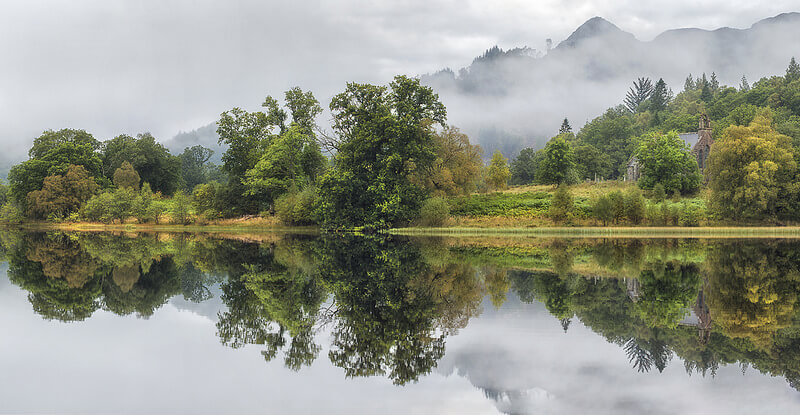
x=185 y=323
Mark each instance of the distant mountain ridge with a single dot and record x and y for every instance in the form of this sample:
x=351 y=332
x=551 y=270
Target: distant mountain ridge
x=506 y=94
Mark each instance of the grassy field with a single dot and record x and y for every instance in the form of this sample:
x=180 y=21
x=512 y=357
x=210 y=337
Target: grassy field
x=611 y=232
x=527 y=206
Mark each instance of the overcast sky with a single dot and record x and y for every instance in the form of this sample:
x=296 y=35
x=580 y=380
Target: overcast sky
x=114 y=67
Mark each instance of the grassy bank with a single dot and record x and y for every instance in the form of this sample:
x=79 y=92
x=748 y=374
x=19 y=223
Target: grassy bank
x=611 y=232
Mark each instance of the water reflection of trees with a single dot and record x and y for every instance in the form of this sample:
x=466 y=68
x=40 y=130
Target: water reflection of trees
x=70 y=276
x=390 y=304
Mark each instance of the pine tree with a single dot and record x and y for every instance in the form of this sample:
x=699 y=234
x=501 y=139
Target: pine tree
x=706 y=95
x=714 y=83
x=640 y=92
x=744 y=86
x=565 y=127
x=660 y=97
x=793 y=71
x=688 y=85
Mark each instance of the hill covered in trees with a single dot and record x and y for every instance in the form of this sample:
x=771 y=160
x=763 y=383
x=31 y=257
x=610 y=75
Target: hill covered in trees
x=511 y=99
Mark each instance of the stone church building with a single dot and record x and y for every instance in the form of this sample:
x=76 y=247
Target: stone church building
x=700 y=143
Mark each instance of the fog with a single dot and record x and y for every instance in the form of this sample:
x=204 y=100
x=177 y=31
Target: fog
x=167 y=67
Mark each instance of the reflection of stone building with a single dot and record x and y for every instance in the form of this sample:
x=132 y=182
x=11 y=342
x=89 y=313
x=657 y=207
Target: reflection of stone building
x=700 y=144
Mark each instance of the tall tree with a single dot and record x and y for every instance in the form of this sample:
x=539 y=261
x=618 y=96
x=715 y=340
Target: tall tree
x=457 y=166
x=688 y=84
x=62 y=195
x=793 y=71
x=523 y=167
x=565 y=127
x=638 y=94
x=660 y=97
x=666 y=160
x=558 y=162
x=744 y=86
x=752 y=172
x=52 y=154
x=714 y=83
x=194 y=165
x=151 y=159
x=497 y=174
x=127 y=177
x=386 y=136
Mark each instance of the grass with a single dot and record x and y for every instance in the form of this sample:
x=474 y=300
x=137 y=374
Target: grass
x=613 y=232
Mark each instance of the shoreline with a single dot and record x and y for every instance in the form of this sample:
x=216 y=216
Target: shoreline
x=570 y=232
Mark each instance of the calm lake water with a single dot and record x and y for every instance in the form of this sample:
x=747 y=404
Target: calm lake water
x=206 y=324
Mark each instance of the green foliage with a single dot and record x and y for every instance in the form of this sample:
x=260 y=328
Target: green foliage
x=591 y=163
x=125 y=176
x=612 y=134
x=385 y=138
x=151 y=160
x=52 y=154
x=524 y=166
x=291 y=160
x=603 y=209
x=666 y=160
x=434 y=212
x=638 y=94
x=298 y=208
x=195 y=168
x=634 y=206
x=501 y=204
x=62 y=195
x=180 y=208
x=558 y=163
x=561 y=205
x=752 y=173
x=658 y=194
x=11 y=213
x=457 y=167
x=497 y=174
x=205 y=197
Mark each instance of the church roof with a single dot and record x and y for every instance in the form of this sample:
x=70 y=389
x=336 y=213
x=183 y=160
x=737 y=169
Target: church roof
x=689 y=138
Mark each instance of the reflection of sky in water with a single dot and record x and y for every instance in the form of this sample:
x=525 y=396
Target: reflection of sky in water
x=514 y=360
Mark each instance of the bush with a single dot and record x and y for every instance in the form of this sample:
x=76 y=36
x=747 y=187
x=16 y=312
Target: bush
x=658 y=194
x=179 y=209
x=602 y=209
x=11 y=213
x=298 y=208
x=692 y=214
x=634 y=206
x=434 y=212
x=561 y=205
x=617 y=205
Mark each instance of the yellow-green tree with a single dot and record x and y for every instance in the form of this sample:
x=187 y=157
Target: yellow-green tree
x=751 y=172
x=62 y=195
x=498 y=173
x=126 y=177
x=457 y=166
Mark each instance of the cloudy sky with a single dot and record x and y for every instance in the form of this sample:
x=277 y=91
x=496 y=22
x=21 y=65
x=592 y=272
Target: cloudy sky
x=115 y=67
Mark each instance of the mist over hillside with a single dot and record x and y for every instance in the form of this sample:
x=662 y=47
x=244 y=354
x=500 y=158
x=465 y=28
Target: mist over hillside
x=508 y=100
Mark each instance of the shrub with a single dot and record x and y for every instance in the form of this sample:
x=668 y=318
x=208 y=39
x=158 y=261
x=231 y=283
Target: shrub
x=602 y=209
x=180 y=208
x=434 y=212
x=11 y=213
x=561 y=205
x=617 y=205
x=298 y=208
x=634 y=206
x=692 y=214
x=658 y=194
